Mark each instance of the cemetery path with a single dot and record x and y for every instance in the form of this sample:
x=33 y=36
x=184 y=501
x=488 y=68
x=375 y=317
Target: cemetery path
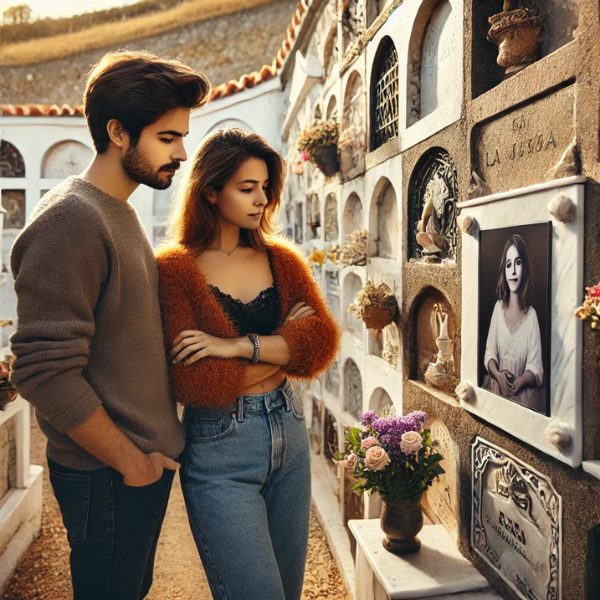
x=178 y=575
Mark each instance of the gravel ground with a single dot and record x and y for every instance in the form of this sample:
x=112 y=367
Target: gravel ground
x=178 y=575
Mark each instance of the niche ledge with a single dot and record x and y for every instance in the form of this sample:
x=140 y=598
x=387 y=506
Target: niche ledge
x=451 y=400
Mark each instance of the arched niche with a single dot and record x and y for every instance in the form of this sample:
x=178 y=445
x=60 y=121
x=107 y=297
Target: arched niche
x=433 y=192
x=353 y=137
x=383 y=221
x=386 y=344
x=379 y=400
x=330 y=51
x=434 y=60
x=384 y=94
x=352 y=219
x=13 y=202
x=318 y=113
x=332 y=109
x=332 y=291
x=230 y=124
x=559 y=20
x=332 y=228
x=433 y=332
x=332 y=379
x=331 y=444
x=352 y=285
x=441 y=502
x=313 y=217
x=298 y=224
x=353 y=390
x=66 y=158
x=11 y=161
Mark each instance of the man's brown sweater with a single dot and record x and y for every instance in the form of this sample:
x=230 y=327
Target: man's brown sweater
x=89 y=330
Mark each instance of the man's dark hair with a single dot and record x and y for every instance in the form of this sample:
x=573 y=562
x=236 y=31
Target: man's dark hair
x=137 y=88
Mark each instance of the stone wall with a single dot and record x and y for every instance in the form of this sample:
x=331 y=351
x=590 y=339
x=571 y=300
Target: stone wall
x=206 y=46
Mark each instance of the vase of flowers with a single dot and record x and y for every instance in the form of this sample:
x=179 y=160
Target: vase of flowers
x=318 y=144
x=396 y=457
x=376 y=306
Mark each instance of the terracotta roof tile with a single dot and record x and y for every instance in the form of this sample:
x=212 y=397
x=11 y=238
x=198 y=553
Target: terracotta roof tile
x=265 y=73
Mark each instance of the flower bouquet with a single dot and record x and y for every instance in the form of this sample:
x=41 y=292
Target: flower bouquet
x=396 y=457
x=318 y=144
x=591 y=306
x=376 y=306
x=353 y=252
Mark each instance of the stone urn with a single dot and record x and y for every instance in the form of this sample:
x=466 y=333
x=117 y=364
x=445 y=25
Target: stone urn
x=516 y=34
x=401 y=522
x=325 y=157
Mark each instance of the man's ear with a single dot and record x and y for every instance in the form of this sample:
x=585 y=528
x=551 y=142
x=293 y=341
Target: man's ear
x=211 y=195
x=118 y=136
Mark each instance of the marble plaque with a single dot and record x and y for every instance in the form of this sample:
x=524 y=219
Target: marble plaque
x=518 y=149
x=443 y=495
x=517 y=522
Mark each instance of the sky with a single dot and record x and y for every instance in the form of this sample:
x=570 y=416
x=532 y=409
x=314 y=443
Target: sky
x=64 y=8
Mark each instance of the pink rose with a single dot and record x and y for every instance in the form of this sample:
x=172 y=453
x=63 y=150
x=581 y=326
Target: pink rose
x=411 y=442
x=304 y=155
x=351 y=460
x=376 y=459
x=369 y=442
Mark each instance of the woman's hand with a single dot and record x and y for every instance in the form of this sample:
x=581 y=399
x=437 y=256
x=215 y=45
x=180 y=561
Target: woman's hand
x=299 y=311
x=524 y=381
x=504 y=381
x=190 y=346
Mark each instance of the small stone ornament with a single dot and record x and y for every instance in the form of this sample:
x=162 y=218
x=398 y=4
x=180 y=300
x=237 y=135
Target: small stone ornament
x=557 y=433
x=515 y=31
x=465 y=391
x=466 y=223
x=561 y=207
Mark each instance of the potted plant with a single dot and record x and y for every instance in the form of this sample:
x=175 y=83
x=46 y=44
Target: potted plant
x=376 y=306
x=318 y=144
x=396 y=457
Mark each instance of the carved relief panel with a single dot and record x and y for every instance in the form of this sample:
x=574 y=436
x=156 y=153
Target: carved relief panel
x=433 y=194
x=517 y=522
x=353 y=22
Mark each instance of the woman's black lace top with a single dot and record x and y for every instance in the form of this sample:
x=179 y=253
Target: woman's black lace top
x=260 y=316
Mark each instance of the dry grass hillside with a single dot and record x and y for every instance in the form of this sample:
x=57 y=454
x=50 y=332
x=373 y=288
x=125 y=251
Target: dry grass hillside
x=114 y=34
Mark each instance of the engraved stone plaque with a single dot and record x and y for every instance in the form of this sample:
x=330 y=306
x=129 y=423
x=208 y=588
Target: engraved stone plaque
x=517 y=522
x=443 y=495
x=517 y=150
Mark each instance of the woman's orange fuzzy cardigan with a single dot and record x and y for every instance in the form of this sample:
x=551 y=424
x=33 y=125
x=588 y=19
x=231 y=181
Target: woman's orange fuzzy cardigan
x=187 y=303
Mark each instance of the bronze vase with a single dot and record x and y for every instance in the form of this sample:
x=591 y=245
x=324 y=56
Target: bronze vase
x=401 y=521
x=325 y=158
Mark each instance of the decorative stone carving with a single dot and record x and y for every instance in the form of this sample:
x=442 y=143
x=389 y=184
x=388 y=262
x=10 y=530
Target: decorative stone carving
x=441 y=502
x=391 y=345
x=478 y=187
x=434 y=196
x=562 y=208
x=11 y=161
x=353 y=22
x=354 y=393
x=332 y=231
x=441 y=374
x=568 y=165
x=516 y=33
x=557 y=433
x=466 y=223
x=517 y=522
x=465 y=391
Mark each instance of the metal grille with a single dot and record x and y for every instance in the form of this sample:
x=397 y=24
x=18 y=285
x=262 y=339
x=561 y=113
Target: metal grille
x=386 y=100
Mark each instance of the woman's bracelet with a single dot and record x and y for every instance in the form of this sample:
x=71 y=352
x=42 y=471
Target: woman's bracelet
x=256 y=341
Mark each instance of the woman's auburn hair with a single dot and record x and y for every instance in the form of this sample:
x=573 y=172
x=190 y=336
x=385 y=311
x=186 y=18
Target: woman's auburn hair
x=525 y=291
x=193 y=221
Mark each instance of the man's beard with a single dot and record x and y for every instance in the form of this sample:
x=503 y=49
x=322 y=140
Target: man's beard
x=138 y=168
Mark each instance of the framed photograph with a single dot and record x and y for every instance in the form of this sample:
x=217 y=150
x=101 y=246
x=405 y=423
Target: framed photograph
x=521 y=345
x=514 y=314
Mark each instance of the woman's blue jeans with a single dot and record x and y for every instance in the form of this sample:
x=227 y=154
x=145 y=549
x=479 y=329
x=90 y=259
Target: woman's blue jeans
x=246 y=482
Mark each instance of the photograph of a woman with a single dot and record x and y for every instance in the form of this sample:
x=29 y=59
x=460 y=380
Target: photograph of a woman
x=241 y=312
x=514 y=353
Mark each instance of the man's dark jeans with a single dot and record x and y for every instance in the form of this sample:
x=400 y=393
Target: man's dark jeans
x=112 y=529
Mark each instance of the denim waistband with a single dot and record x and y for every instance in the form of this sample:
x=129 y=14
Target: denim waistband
x=265 y=402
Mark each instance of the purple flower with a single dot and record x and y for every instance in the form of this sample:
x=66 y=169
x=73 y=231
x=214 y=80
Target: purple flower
x=369 y=417
x=391 y=429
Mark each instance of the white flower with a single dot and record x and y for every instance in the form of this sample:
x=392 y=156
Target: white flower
x=411 y=442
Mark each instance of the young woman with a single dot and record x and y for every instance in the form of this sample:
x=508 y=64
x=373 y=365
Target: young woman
x=513 y=352
x=242 y=311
